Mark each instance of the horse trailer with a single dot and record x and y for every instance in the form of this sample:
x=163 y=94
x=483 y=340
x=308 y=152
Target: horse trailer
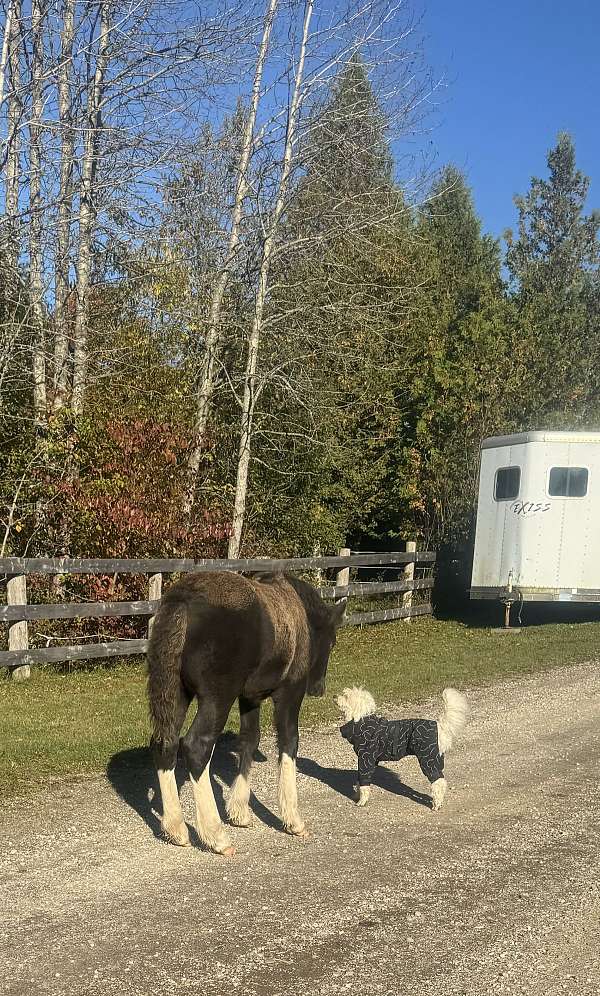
x=538 y=518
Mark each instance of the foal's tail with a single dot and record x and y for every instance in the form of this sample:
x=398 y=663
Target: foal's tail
x=453 y=719
x=164 y=672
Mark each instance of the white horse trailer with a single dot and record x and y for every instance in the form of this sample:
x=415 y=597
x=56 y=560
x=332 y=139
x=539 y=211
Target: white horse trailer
x=538 y=518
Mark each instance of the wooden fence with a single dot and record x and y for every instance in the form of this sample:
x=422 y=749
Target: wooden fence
x=17 y=613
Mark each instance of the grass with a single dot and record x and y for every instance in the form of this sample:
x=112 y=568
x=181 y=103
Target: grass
x=71 y=724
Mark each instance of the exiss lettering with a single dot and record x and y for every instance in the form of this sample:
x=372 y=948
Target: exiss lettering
x=529 y=507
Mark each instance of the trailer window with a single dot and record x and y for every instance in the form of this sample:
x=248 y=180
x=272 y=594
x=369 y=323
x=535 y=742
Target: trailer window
x=568 y=482
x=507 y=483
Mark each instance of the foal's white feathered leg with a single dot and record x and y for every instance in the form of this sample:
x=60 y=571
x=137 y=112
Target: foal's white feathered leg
x=238 y=803
x=210 y=829
x=288 y=797
x=172 y=823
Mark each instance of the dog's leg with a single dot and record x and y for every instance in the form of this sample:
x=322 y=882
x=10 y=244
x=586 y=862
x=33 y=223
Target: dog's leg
x=362 y=794
x=438 y=791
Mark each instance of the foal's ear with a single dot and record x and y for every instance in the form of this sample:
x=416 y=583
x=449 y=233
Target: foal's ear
x=338 y=612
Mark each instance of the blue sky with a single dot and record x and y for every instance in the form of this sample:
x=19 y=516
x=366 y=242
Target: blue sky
x=517 y=74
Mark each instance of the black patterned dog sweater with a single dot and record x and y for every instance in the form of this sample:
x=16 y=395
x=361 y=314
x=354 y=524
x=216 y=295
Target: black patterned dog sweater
x=377 y=739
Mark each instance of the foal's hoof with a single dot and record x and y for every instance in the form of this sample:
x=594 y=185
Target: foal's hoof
x=176 y=833
x=245 y=822
x=298 y=830
x=240 y=817
x=228 y=852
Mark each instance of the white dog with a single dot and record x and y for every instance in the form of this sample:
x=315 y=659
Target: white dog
x=377 y=739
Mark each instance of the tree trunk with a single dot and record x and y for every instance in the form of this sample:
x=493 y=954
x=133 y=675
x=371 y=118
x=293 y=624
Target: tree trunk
x=5 y=49
x=65 y=207
x=213 y=333
x=13 y=166
x=87 y=210
x=35 y=222
x=249 y=401
x=8 y=329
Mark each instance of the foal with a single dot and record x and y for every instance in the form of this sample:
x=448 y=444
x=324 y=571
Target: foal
x=221 y=637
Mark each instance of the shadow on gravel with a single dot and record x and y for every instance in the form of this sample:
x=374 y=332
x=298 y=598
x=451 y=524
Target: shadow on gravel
x=133 y=777
x=342 y=780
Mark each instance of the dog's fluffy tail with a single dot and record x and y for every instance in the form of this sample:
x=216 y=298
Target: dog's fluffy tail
x=453 y=718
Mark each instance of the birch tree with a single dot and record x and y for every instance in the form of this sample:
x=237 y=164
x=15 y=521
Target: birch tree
x=206 y=384
x=9 y=164
x=13 y=139
x=6 y=35
x=36 y=279
x=65 y=207
x=87 y=206
x=96 y=103
x=346 y=227
x=268 y=246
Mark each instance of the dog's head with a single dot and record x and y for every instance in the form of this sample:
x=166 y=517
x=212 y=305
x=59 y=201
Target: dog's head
x=355 y=703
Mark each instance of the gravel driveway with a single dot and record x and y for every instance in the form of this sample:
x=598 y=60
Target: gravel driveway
x=497 y=894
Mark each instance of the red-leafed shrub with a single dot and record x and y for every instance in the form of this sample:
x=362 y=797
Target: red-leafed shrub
x=127 y=497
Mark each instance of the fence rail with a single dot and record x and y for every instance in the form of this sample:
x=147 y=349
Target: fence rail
x=66 y=565
x=17 y=613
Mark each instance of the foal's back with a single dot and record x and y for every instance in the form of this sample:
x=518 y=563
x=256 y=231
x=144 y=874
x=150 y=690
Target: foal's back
x=238 y=628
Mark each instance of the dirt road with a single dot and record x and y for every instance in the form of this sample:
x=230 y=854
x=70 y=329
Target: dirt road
x=497 y=894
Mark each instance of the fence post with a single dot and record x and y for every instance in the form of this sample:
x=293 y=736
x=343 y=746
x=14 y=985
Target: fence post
x=154 y=594
x=409 y=575
x=318 y=572
x=343 y=575
x=18 y=636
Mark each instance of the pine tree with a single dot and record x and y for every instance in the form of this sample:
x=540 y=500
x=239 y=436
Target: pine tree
x=347 y=151
x=338 y=280
x=469 y=262
x=346 y=161
x=464 y=372
x=553 y=265
x=557 y=242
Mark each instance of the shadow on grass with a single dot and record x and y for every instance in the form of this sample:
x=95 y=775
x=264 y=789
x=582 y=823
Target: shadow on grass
x=489 y=614
x=342 y=780
x=133 y=777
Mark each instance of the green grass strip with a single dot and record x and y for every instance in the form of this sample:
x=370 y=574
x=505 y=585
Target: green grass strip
x=69 y=724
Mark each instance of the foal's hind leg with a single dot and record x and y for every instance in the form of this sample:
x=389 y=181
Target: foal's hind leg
x=198 y=745
x=287 y=709
x=165 y=756
x=238 y=809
